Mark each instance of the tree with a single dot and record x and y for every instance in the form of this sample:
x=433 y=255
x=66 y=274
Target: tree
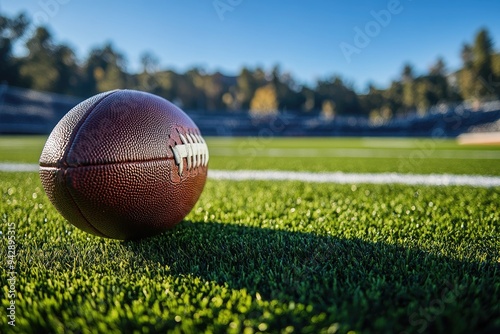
x=150 y=63
x=466 y=55
x=146 y=80
x=309 y=99
x=288 y=91
x=372 y=100
x=105 y=70
x=265 y=101
x=466 y=83
x=39 y=67
x=166 y=84
x=409 y=87
x=409 y=94
x=246 y=84
x=334 y=89
x=11 y=30
x=495 y=67
x=477 y=78
x=438 y=68
x=70 y=76
x=393 y=98
x=407 y=74
x=481 y=65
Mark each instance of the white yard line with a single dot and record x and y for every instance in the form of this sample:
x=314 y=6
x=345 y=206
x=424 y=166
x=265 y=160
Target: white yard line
x=332 y=177
x=343 y=178
x=17 y=167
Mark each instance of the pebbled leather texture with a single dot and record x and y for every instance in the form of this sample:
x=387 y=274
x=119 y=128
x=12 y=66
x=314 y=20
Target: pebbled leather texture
x=108 y=165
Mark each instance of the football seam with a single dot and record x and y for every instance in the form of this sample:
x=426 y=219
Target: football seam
x=61 y=163
x=201 y=160
x=99 y=233
x=79 y=126
x=104 y=163
x=81 y=213
x=64 y=166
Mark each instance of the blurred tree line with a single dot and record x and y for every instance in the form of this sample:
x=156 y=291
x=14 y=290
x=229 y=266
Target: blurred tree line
x=49 y=66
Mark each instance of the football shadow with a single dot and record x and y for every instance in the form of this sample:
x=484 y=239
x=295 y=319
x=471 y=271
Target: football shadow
x=306 y=267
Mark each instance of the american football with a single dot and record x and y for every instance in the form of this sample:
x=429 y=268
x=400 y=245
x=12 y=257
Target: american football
x=124 y=164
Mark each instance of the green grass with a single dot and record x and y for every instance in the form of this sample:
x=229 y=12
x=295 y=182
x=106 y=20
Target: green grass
x=360 y=155
x=21 y=148
x=266 y=257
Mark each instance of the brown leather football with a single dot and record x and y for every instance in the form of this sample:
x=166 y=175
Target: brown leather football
x=124 y=164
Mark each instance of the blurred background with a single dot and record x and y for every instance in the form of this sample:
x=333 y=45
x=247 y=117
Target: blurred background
x=320 y=68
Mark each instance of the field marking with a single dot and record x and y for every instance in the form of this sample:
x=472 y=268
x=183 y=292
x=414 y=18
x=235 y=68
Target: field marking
x=355 y=153
x=349 y=178
x=18 y=167
x=332 y=177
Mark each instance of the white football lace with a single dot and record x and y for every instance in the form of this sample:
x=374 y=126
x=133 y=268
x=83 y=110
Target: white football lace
x=194 y=149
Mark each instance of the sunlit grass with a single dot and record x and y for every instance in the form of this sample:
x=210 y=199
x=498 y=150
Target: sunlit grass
x=270 y=256
x=265 y=256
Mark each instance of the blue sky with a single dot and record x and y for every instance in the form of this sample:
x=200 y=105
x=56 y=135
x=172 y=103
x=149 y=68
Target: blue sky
x=303 y=37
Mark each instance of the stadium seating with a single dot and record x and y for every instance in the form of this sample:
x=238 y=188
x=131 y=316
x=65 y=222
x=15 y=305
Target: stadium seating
x=24 y=111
